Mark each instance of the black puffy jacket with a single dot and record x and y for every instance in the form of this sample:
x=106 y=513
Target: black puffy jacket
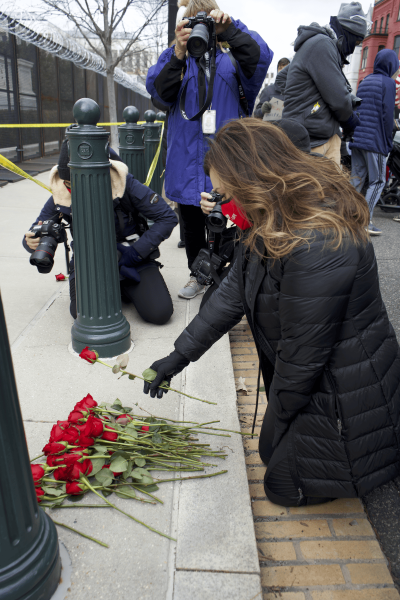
x=335 y=381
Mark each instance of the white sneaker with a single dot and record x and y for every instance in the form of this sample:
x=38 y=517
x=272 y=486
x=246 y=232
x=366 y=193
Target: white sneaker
x=191 y=289
x=397 y=218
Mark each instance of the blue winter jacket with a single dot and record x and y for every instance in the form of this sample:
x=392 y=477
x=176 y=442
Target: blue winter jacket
x=378 y=92
x=184 y=175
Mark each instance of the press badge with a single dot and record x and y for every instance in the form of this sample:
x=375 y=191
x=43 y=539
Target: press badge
x=209 y=122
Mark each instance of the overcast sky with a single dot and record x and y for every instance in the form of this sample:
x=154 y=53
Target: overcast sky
x=275 y=20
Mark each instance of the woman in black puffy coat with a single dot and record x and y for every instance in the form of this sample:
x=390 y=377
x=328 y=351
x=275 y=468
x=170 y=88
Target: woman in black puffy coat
x=307 y=278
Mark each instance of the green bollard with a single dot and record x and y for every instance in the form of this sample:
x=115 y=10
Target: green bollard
x=131 y=143
x=30 y=563
x=152 y=133
x=100 y=323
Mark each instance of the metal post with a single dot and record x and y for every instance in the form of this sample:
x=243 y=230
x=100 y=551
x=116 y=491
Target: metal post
x=152 y=133
x=30 y=563
x=131 y=144
x=172 y=12
x=100 y=323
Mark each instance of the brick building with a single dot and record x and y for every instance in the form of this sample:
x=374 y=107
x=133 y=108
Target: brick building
x=385 y=33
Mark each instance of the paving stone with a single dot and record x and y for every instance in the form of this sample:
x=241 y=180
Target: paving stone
x=250 y=444
x=254 y=459
x=240 y=351
x=243 y=361
x=257 y=490
x=369 y=573
x=213 y=586
x=241 y=344
x=367 y=594
x=265 y=508
x=343 y=505
x=256 y=473
x=352 y=527
x=276 y=551
x=293 y=529
x=248 y=374
x=343 y=550
x=284 y=596
x=302 y=576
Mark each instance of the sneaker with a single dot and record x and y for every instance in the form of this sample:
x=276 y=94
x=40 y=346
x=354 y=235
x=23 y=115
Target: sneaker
x=191 y=289
x=372 y=230
x=397 y=218
x=181 y=244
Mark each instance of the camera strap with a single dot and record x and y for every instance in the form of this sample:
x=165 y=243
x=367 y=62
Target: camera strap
x=213 y=69
x=242 y=97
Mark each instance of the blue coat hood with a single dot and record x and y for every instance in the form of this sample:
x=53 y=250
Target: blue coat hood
x=386 y=63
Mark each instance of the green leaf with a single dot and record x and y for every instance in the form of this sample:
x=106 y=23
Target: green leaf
x=98 y=464
x=116 y=369
x=149 y=374
x=118 y=402
x=59 y=501
x=147 y=488
x=132 y=377
x=131 y=430
x=157 y=439
x=128 y=471
x=118 y=464
x=142 y=471
x=75 y=498
x=261 y=389
x=147 y=480
x=117 y=407
x=100 y=449
x=104 y=477
x=136 y=475
x=127 y=409
x=50 y=491
x=126 y=493
x=106 y=493
x=140 y=462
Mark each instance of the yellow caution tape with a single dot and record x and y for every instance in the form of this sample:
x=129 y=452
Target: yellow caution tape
x=10 y=166
x=7 y=164
x=155 y=159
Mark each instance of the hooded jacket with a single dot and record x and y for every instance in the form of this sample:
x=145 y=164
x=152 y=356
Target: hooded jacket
x=274 y=90
x=378 y=92
x=317 y=93
x=129 y=199
x=184 y=175
x=332 y=361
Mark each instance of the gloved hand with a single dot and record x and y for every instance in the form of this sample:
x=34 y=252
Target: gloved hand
x=129 y=256
x=130 y=273
x=351 y=123
x=266 y=108
x=166 y=368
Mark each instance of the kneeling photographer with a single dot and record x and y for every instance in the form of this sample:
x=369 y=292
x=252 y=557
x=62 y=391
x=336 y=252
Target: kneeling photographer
x=205 y=85
x=140 y=278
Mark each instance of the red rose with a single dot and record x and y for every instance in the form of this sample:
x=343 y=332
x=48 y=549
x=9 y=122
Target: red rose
x=37 y=473
x=110 y=436
x=85 y=441
x=94 y=427
x=61 y=474
x=75 y=415
x=86 y=403
x=54 y=448
x=60 y=277
x=90 y=355
x=84 y=467
x=71 y=434
x=75 y=489
x=57 y=431
x=123 y=419
x=51 y=460
x=145 y=428
x=39 y=494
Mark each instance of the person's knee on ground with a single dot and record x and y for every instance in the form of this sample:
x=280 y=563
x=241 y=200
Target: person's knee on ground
x=150 y=297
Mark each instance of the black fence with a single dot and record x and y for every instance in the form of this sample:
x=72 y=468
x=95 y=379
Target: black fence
x=38 y=87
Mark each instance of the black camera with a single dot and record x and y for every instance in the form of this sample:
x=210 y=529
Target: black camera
x=205 y=265
x=216 y=221
x=356 y=102
x=203 y=34
x=51 y=234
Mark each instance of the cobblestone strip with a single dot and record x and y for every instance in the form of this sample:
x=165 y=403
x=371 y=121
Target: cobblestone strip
x=326 y=552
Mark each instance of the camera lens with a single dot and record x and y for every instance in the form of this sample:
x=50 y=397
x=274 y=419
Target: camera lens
x=197 y=43
x=216 y=221
x=43 y=257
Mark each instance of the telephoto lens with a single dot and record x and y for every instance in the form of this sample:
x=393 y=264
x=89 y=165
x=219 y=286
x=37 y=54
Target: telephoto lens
x=43 y=257
x=197 y=43
x=216 y=221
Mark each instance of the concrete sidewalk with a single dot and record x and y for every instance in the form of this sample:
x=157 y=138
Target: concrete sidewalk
x=215 y=557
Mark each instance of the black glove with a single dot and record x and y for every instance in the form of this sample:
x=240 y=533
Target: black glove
x=166 y=368
x=129 y=256
x=351 y=123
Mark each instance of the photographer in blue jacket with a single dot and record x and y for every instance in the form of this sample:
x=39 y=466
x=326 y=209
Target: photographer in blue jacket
x=205 y=85
x=140 y=278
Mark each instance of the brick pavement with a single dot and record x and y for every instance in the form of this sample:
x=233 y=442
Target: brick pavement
x=326 y=552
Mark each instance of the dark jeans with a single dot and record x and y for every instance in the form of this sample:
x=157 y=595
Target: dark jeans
x=150 y=297
x=194 y=229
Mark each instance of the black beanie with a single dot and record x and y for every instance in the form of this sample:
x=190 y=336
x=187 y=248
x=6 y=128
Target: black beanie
x=296 y=133
x=63 y=169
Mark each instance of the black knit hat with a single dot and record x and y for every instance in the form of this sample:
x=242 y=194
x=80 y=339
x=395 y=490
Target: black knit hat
x=63 y=169
x=296 y=133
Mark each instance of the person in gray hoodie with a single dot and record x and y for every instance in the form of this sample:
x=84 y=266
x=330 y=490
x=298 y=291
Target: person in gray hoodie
x=317 y=93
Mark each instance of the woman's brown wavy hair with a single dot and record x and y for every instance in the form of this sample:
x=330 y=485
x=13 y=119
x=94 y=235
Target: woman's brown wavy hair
x=285 y=193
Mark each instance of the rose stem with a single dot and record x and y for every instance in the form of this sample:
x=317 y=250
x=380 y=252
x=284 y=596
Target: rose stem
x=80 y=533
x=147 y=493
x=33 y=459
x=75 y=504
x=85 y=480
x=184 y=478
x=164 y=387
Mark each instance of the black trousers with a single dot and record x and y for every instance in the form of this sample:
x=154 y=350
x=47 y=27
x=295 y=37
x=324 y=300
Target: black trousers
x=194 y=229
x=150 y=297
x=278 y=483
